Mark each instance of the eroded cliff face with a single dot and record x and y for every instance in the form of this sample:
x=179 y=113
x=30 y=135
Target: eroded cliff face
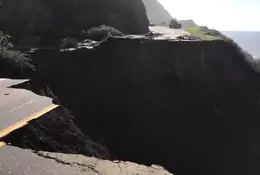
x=44 y=22
x=54 y=143
x=190 y=106
x=156 y=13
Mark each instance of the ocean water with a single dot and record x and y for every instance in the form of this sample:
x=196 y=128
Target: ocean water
x=249 y=41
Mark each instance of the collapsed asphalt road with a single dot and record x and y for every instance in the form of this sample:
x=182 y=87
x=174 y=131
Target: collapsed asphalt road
x=52 y=131
x=41 y=163
x=17 y=106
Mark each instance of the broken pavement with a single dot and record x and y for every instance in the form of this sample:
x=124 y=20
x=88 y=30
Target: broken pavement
x=41 y=163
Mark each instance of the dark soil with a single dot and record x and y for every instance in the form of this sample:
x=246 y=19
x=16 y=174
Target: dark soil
x=192 y=107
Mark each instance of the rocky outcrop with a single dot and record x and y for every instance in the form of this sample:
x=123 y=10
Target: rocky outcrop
x=156 y=13
x=190 y=106
x=43 y=22
x=175 y=24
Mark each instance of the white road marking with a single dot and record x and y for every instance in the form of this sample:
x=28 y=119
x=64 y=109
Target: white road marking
x=25 y=121
x=168 y=33
x=22 y=105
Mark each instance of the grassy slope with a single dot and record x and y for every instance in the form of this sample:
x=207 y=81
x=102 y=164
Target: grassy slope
x=203 y=33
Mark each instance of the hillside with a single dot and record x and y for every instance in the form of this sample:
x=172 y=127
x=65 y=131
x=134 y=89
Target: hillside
x=189 y=104
x=187 y=23
x=42 y=22
x=156 y=13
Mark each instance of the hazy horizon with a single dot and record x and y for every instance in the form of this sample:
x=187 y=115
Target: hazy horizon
x=240 y=31
x=249 y=41
x=223 y=15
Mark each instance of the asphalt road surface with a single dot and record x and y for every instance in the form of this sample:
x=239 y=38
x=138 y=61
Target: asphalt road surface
x=16 y=161
x=12 y=162
x=167 y=32
x=19 y=105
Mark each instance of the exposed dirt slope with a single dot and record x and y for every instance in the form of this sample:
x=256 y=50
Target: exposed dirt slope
x=192 y=107
x=70 y=151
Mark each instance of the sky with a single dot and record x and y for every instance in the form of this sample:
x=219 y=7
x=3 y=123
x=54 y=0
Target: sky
x=224 y=15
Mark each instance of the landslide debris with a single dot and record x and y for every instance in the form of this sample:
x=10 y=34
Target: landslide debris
x=70 y=164
x=56 y=131
x=190 y=106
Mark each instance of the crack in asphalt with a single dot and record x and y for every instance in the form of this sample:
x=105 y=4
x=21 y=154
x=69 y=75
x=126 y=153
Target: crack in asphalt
x=91 y=167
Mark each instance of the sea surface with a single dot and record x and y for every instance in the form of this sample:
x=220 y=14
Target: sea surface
x=249 y=41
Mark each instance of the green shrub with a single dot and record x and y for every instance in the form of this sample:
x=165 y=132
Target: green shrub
x=11 y=59
x=4 y=41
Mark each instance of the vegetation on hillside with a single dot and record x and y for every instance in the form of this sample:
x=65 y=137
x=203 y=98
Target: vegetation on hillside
x=10 y=60
x=204 y=33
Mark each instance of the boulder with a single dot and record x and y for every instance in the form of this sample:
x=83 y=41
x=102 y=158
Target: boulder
x=44 y=22
x=174 y=24
x=189 y=106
